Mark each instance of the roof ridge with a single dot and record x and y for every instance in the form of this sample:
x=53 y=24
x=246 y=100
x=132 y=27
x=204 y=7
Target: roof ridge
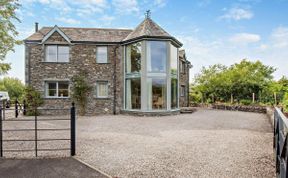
x=90 y=28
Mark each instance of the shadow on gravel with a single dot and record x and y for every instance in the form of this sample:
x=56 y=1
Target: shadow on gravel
x=48 y=168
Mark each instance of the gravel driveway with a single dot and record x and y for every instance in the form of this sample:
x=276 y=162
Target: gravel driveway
x=208 y=143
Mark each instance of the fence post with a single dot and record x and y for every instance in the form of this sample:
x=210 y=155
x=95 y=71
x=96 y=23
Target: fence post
x=16 y=108
x=3 y=110
x=1 y=136
x=36 y=136
x=73 y=129
x=24 y=107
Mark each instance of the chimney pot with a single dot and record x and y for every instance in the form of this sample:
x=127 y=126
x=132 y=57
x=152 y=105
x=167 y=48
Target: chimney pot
x=36 y=26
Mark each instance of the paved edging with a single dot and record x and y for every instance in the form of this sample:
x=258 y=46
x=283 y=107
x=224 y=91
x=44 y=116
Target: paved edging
x=92 y=167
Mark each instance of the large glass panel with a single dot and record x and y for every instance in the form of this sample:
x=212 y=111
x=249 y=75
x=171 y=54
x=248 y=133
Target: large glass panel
x=173 y=59
x=133 y=58
x=51 y=53
x=133 y=93
x=156 y=56
x=156 y=93
x=174 y=93
x=63 y=53
x=52 y=89
x=101 y=54
x=63 y=89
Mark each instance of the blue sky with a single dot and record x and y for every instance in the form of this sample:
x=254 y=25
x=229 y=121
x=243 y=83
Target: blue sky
x=212 y=31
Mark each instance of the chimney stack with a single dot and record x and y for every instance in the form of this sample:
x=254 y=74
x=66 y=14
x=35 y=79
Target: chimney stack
x=36 y=26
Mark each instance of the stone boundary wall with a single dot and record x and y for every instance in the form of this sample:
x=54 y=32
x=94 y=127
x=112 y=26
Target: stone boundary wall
x=270 y=114
x=256 y=109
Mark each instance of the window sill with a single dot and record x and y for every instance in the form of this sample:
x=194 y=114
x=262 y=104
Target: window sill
x=56 y=98
x=102 y=98
x=46 y=62
x=103 y=63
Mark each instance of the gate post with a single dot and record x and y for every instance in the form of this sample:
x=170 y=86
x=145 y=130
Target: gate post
x=16 y=108
x=24 y=107
x=1 y=136
x=73 y=129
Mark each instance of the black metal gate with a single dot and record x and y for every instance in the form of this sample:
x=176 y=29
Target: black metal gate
x=281 y=143
x=34 y=122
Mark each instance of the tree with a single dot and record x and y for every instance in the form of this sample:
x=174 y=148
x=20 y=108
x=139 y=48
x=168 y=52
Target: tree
x=81 y=90
x=13 y=86
x=237 y=82
x=7 y=31
x=33 y=99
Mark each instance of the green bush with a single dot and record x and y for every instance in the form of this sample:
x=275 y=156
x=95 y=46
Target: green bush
x=245 y=102
x=33 y=100
x=285 y=102
x=13 y=86
x=81 y=90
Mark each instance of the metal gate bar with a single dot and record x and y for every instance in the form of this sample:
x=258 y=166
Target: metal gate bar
x=36 y=130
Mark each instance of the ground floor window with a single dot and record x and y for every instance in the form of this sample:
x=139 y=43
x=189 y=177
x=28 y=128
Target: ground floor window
x=102 y=89
x=59 y=89
x=156 y=93
x=174 y=93
x=133 y=93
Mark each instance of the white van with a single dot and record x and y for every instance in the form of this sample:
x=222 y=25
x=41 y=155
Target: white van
x=4 y=96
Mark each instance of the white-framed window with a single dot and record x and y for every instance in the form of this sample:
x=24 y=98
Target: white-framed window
x=101 y=54
x=56 y=53
x=102 y=89
x=182 y=67
x=57 y=89
x=182 y=90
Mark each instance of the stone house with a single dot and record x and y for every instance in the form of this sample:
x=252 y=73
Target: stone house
x=132 y=71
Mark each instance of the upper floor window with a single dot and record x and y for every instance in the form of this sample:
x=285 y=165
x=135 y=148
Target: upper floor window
x=57 y=89
x=156 y=56
x=133 y=58
x=101 y=54
x=182 y=67
x=173 y=60
x=57 y=53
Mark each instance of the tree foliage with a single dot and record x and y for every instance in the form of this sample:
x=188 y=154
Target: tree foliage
x=13 y=86
x=8 y=31
x=81 y=90
x=238 y=81
x=33 y=100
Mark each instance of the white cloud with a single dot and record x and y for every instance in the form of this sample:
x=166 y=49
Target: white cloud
x=68 y=20
x=204 y=52
x=237 y=14
x=160 y=3
x=99 y=3
x=244 y=38
x=125 y=6
x=279 y=37
x=263 y=47
x=107 y=18
x=203 y=3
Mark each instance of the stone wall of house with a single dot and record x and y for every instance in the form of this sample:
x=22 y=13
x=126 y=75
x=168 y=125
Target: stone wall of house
x=184 y=81
x=82 y=57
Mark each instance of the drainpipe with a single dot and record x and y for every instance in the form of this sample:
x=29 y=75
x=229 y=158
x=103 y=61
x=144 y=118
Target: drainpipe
x=27 y=65
x=115 y=80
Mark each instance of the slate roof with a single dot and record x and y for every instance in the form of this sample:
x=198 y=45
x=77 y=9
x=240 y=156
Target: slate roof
x=85 y=34
x=147 y=29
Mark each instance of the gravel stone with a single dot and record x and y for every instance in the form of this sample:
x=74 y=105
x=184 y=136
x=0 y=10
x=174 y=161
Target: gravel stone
x=207 y=143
